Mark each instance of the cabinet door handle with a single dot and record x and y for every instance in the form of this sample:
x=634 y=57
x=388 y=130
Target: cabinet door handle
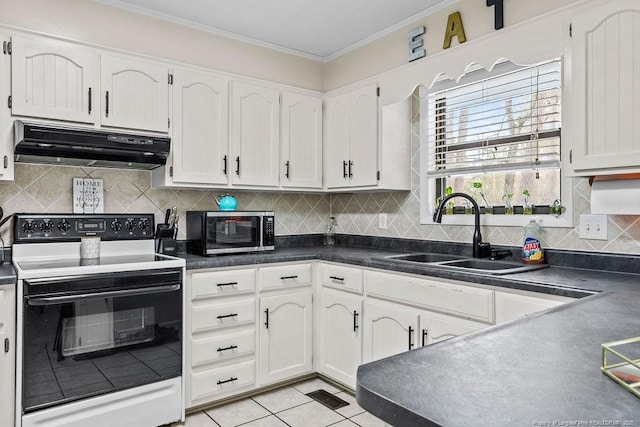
x=90 y=101
x=227 y=284
x=339 y=279
x=355 y=321
x=288 y=277
x=224 y=162
x=410 y=337
x=344 y=169
x=107 y=106
x=286 y=165
x=231 y=347
x=6 y=345
x=225 y=316
x=228 y=381
x=350 y=165
x=238 y=165
x=425 y=333
x=266 y=322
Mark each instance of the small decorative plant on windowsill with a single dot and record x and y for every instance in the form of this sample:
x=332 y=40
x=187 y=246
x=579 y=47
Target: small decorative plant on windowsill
x=449 y=209
x=556 y=208
x=508 y=207
x=488 y=209
x=527 y=208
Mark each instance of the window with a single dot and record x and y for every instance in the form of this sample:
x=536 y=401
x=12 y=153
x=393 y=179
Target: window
x=497 y=139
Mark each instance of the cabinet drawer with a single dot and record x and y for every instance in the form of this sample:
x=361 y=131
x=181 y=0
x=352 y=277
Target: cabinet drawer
x=222 y=347
x=221 y=283
x=345 y=278
x=212 y=316
x=227 y=380
x=465 y=301
x=285 y=276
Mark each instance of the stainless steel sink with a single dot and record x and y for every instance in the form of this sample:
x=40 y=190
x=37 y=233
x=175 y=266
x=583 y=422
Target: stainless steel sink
x=460 y=263
x=425 y=257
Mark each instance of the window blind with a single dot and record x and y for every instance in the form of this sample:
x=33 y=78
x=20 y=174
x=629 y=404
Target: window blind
x=508 y=122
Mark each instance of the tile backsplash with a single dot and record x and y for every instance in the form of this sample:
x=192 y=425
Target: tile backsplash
x=42 y=188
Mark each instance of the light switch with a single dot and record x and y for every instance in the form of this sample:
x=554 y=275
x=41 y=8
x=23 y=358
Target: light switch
x=593 y=227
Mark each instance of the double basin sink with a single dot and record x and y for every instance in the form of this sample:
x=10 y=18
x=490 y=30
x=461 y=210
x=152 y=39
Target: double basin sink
x=463 y=264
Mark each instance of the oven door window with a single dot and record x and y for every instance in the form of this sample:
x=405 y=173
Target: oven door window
x=233 y=231
x=76 y=346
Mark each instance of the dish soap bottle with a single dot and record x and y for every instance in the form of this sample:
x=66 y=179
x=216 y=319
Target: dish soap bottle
x=531 y=247
x=329 y=236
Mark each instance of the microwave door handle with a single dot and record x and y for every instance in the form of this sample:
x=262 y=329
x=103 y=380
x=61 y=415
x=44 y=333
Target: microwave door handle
x=46 y=301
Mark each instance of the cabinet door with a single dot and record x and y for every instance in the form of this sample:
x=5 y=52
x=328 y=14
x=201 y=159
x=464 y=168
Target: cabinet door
x=255 y=135
x=200 y=127
x=301 y=142
x=514 y=306
x=388 y=329
x=337 y=141
x=6 y=121
x=437 y=327
x=135 y=94
x=54 y=80
x=7 y=354
x=605 y=98
x=340 y=336
x=363 y=147
x=285 y=336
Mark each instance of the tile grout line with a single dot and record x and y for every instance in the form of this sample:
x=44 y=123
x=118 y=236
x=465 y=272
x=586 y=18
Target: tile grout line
x=210 y=417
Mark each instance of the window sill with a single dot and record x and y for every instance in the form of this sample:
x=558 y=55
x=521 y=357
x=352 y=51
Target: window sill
x=515 y=220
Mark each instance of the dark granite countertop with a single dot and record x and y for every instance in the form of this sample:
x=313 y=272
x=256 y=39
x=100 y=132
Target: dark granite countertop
x=564 y=281
x=542 y=370
x=7 y=274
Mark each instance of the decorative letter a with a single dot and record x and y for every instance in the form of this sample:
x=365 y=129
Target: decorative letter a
x=454 y=28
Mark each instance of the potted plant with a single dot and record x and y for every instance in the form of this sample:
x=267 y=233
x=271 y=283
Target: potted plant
x=527 y=208
x=556 y=208
x=488 y=209
x=449 y=209
x=508 y=207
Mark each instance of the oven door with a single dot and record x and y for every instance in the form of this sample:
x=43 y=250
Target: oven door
x=233 y=233
x=90 y=335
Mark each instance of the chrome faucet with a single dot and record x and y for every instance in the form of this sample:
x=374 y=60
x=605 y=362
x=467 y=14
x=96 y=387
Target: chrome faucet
x=480 y=248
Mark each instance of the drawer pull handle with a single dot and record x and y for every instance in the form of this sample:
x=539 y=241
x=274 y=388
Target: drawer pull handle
x=231 y=347
x=410 y=337
x=266 y=322
x=224 y=316
x=339 y=279
x=228 y=381
x=355 y=321
x=227 y=284
x=288 y=277
x=425 y=334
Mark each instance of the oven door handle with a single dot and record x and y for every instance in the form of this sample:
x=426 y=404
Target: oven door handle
x=44 y=301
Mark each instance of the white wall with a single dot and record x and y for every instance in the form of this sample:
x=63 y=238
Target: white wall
x=95 y=23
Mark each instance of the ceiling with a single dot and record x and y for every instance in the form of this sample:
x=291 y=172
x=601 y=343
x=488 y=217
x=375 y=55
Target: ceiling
x=316 y=29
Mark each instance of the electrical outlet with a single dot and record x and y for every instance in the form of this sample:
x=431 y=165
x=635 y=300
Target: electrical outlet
x=593 y=227
x=383 y=221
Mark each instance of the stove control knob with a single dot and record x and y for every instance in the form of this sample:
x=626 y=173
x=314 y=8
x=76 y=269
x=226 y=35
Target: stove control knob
x=116 y=225
x=64 y=226
x=46 y=227
x=29 y=227
x=129 y=225
x=143 y=225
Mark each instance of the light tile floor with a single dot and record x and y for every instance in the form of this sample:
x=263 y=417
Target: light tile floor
x=286 y=406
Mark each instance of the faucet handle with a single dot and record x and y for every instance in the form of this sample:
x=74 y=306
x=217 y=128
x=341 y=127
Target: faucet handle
x=484 y=250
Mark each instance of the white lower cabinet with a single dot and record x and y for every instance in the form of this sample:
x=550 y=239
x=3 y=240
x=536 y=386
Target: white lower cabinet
x=286 y=336
x=436 y=327
x=211 y=384
x=7 y=354
x=388 y=329
x=340 y=335
x=511 y=306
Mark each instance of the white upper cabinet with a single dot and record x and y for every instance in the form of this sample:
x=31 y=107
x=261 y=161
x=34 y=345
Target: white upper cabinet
x=352 y=138
x=200 y=127
x=6 y=123
x=135 y=94
x=54 y=80
x=301 y=142
x=605 y=89
x=255 y=135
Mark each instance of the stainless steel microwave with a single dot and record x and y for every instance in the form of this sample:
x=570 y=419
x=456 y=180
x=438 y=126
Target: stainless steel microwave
x=227 y=232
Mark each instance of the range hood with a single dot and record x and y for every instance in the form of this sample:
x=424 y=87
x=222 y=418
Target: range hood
x=62 y=145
